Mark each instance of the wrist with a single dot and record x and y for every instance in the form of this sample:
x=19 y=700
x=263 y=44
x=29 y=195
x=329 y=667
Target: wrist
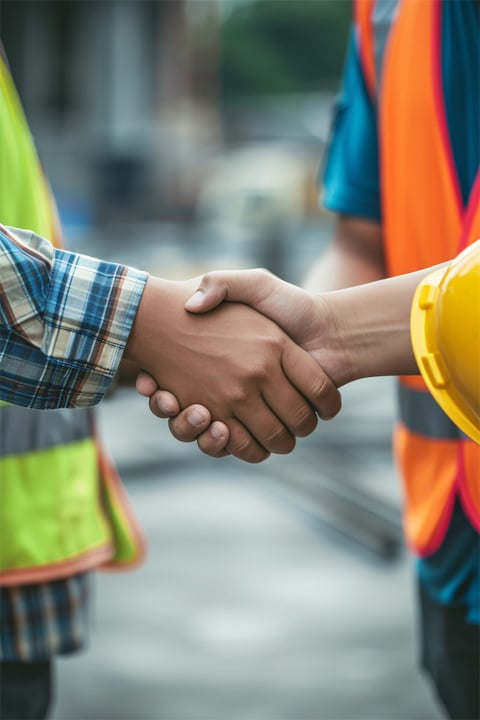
x=150 y=320
x=374 y=328
x=337 y=338
x=324 y=334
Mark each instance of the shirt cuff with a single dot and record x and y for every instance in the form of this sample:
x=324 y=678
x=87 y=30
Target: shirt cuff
x=89 y=313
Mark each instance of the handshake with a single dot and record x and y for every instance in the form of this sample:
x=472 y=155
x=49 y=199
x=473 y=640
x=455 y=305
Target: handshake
x=243 y=362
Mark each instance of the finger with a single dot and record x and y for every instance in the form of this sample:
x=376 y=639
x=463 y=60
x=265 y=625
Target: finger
x=254 y=413
x=192 y=422
x=309 y=378
x=167 y=404
x=198 y=417
x=145 y=384
x=214 y=440
x=242 y=445
x=247 y=286
x=288 y=404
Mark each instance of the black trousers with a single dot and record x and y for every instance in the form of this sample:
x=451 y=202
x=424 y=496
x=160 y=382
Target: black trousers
x=25 y=690
x=450 y=655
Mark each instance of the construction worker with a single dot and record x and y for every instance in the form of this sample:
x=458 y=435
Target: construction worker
x=66 y=320
x=402 y=175
x=55 y=463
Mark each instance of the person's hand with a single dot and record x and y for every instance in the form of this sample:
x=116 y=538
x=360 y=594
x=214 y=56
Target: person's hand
x=359 y=331
x=304 y=316
x=234 y=362
x=301 y=314
x=193 y=423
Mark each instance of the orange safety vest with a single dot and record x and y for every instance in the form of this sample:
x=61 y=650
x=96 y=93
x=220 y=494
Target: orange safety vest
x=425 y=222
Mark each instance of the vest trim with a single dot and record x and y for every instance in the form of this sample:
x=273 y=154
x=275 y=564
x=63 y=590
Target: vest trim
x=89 y=560
x=471 y=215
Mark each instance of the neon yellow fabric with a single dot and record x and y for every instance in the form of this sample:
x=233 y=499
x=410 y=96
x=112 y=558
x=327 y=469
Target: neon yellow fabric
x=24 y=199
x=55 y=515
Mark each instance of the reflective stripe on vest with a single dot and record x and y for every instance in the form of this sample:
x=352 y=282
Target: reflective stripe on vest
x=400 y=41
x=421 y=414
x=63 y=507
x=23 y=431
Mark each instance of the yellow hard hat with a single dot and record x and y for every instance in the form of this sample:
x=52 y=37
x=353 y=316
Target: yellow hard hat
x=445 y=331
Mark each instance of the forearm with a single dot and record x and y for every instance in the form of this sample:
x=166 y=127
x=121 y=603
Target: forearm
x=370 y=329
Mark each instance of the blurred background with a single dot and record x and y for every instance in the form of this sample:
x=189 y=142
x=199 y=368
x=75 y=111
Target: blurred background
x=181 y=136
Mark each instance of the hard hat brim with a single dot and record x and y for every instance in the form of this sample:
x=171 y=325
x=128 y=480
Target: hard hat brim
x=429 y=358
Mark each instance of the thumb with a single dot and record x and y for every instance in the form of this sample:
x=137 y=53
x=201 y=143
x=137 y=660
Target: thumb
x=243 y=286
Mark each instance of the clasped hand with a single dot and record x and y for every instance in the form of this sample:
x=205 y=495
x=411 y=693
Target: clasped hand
x=230 y=371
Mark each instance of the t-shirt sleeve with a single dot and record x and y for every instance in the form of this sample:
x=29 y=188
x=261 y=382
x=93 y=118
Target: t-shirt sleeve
x=349 y=175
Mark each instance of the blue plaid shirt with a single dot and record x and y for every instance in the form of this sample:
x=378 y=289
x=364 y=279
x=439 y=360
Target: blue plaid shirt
x=64 y=323
x=46 y=619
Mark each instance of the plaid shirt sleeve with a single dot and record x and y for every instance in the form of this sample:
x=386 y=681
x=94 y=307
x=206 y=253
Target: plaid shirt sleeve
x=64 y=322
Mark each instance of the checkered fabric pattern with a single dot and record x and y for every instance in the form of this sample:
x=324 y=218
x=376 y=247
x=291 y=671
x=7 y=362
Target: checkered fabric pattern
x=64 y=322
x=46 y=619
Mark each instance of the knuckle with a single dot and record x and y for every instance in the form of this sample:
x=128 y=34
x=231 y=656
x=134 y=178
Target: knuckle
x=263 y=274
x=208 y=279
x=278 y=340
x=239 y=396
x=279 y=440
x=259 y=372
x=247 y=450
x=304 y=421
x=240 y=445
x=321 y=387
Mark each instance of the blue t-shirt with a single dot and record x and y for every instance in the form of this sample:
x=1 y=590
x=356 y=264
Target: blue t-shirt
x=351 y=186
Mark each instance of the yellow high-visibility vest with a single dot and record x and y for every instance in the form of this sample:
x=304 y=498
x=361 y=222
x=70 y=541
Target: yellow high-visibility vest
x=63 y=508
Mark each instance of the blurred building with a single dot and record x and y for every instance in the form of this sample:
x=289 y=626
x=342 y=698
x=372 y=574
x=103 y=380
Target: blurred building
x=114 y=95
x=125 y=101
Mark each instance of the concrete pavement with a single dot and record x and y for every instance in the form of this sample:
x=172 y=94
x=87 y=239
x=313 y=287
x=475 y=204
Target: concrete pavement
x=252 y=605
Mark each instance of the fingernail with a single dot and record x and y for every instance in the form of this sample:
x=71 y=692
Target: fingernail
x=195 y=300
x=218 y=431
x=164 y=408
x=196 y=417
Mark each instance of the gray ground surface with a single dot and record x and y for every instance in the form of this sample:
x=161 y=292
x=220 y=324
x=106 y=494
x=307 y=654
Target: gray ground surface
x=265 y=596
